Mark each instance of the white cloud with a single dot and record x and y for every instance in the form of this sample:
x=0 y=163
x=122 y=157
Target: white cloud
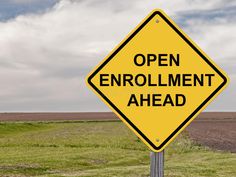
x=45 y=57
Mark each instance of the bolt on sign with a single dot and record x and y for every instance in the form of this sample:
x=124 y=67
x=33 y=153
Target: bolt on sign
x=157 y=80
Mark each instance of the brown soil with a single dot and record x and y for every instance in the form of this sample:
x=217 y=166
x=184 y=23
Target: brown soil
x=214 y=129
x=219 y=134
x=92 y=116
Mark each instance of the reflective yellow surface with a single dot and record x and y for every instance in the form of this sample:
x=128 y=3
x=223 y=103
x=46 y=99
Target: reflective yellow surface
x=168 y=80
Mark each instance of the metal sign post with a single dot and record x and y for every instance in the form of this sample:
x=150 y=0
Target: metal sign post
x=157 y=164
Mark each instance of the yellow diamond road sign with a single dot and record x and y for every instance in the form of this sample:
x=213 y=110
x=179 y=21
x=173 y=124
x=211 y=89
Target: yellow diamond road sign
x=157 y=80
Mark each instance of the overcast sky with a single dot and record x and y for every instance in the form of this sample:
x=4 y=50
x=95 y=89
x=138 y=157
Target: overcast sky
x=47 y=47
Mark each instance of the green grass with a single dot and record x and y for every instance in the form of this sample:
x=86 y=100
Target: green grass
x=99 y=149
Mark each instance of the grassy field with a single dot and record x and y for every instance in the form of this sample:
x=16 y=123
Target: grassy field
x=99 y=149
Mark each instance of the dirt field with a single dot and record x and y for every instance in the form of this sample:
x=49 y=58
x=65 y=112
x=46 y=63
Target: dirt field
x=214 y=129
x=219 y=134
x=57 y=116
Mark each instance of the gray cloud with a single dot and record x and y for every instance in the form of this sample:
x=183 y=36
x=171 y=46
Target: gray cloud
x=45 y=57
x=225 y=101
x=224 y=14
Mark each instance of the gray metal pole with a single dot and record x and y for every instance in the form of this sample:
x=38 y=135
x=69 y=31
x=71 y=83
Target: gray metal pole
x=157 y=164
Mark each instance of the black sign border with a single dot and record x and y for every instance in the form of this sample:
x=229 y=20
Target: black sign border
x=122 y=45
